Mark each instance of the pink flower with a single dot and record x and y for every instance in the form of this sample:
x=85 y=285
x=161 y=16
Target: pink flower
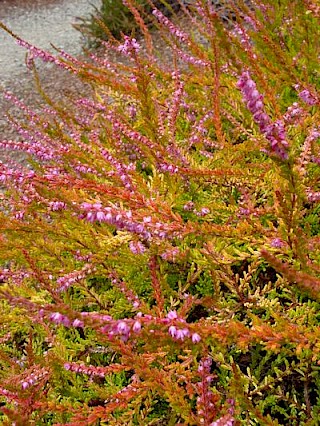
x=307 y=97
x=137 y=247
x=129 y=46
x=182 y=333
x=136 y=327
x=195 y=338
x=277 y=243
x=172 y=331
x=172 y=315
x=78 y=323
x=58 y=318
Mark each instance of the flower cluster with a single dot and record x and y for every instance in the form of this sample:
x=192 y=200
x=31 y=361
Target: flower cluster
x=137 y=247
x=36 y=53
x=205 y=400
x=123 y=328
x=171 y=254
x=147 y=228
x=17 y=277
x=129 y=47
x=83 y=369
x=34 y=378
x=60 y=319
x=307 y=97
x=68 y=280
x=274 y=132
x=174 y=30
x=277 y=243
x=189 y=59
x=148 y=232
x=293 y=114
x=122 y=286
x=120 y=169
x=178 y=329
x=168 y=168
x=313 y=196
x=56 y=206
x=10 y=175
x=11 y=396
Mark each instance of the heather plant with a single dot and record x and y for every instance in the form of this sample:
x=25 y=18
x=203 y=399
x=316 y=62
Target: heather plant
x=160 y=252
x=114 y=18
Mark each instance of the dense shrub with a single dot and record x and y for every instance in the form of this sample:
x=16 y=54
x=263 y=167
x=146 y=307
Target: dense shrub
x=115 y=19
x=161 y=252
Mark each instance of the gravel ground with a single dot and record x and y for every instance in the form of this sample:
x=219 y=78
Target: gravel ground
x=40 y=22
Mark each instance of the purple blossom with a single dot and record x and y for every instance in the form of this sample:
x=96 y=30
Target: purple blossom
x=78 y=323
x=191 y=59
x=60 y=319
x=68 y=280
x=35 y=52
x=227 y=420
x=313 y=196
x=188 y=206
x=195 y=338
x=205 y=404
x=123 y=328
x=136 y=328
x=203 y=212
x=294 y=113
x=122 y=286
x=57 y=205
x=172 y=331
x=123 y=220
x=171 y=254
x=277 y=243
x=242 y=35
x=306 y=96
x=120 y=169
x=34 y=378
x=182 y=333
x=129 y=47
x=137 y=247
x=172 y=315
x=173 y=29
x=165 y=167
x=274 y=132
x=132 y=111
x=84 y=369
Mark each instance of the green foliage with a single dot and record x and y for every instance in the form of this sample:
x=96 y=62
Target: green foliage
x=115 y=19
x=160 y=256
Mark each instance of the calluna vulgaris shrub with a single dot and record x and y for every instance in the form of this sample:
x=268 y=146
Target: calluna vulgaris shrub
x=160 y=254
x=114 y=18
